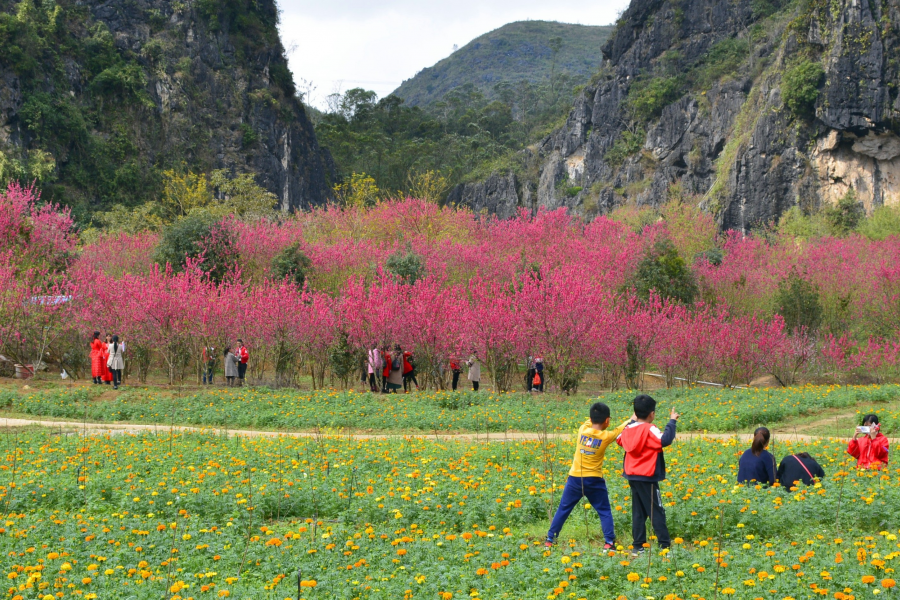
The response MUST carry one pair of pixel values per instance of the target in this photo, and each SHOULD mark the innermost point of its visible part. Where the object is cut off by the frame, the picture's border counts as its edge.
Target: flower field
(202, 516)
(715, 410)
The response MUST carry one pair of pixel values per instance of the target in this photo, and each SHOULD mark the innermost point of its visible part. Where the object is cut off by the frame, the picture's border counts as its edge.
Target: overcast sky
(376, 44)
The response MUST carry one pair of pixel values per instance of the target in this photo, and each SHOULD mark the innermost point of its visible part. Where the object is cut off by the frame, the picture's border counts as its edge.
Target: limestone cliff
(109, 93)
(746, 107)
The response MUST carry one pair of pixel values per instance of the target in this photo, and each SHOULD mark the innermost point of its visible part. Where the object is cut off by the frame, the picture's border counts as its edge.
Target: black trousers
(455, 379)
(117, 377)
(409, 379)
(242, 370)
(475, 386)
(373, 384)
(646, 503)
(529, 380)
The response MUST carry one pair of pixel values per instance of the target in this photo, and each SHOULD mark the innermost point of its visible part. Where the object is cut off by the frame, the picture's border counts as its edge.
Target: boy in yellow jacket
(586, 475)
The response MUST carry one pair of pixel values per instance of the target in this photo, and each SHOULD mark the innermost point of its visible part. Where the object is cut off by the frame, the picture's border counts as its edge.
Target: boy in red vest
(645, 467)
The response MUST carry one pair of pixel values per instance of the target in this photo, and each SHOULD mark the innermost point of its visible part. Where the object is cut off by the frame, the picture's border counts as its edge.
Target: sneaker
(548, 544)
(609, 546)
(637, 552)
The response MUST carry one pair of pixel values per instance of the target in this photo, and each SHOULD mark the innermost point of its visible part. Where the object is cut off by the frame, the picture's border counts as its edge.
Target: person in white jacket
(116, 360)
(474, 370)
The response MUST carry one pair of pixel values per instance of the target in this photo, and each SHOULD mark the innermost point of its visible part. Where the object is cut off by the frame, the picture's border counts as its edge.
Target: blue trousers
(592, 488)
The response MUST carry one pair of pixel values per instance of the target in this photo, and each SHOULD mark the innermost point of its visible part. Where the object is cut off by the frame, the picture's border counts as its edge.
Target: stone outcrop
(727, 139)
(209, 89)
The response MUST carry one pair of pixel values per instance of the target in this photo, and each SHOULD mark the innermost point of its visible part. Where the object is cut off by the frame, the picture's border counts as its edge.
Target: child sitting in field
(645, 467)
(586, 475)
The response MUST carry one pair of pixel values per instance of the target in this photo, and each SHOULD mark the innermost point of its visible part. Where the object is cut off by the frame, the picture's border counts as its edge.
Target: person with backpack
(538, 375)
(409, 372)
(395, 375)
(645, 468)
(796, 468)
(869, 446)
(374, 362)
(756, 464)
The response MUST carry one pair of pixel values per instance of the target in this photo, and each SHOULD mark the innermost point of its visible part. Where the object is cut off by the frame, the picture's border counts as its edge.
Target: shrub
(797, 301)
(573, 191)
(291, 263)
(628, 143)
(846, 215)
(800, 87)
(408, 267)
(884, 222)
(664, 272)
(194, 236)
(647, 98)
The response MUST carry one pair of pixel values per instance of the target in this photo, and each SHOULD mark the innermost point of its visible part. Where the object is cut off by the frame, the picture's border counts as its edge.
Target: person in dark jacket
(645, 467)
(539, 375)
(756, 464)
(799, 467)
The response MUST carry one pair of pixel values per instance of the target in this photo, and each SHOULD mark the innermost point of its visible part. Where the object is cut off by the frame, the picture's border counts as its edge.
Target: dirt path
(137, 428)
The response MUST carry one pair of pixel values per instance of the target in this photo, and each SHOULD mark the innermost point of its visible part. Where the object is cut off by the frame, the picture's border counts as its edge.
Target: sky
(338, 45)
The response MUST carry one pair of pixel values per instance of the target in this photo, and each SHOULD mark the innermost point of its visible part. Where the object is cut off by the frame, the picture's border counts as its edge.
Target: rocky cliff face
(745, 107)
(110, 93)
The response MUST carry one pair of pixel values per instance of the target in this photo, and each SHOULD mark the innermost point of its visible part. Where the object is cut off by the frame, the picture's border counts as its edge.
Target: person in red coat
(409, 372)
(386, 372)
(106, 377)
(97, 361)
(869, 446)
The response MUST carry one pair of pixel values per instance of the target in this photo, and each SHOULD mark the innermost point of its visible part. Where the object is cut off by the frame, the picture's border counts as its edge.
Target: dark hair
(803, 455)
(240, 340)
(397, 348)
(643, 406)
(227, 350)
(599, 412)
(870, 419)
(115, 344)
(96, 335)
(760, 440)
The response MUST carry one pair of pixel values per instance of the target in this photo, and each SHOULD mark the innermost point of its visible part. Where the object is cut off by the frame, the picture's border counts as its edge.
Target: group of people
(236, 361)
(868, 446)
(645, 467)
(389, 371)
(107, 360)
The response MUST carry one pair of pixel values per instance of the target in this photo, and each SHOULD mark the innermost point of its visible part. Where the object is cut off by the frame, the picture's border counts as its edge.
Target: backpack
(396, 364)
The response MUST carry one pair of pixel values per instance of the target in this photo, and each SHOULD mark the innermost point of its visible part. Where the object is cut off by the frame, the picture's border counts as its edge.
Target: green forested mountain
(464, 117)
(99, 97)
(533, 51)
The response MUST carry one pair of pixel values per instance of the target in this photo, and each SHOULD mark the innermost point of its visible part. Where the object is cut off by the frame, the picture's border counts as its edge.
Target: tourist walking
(243, 357)
(756, 464)
(208, 360)
(538, 375)
(395, 373)
(409, 372)
(374, 364)
(231, 367)
(474, 370)
(456, 370)
(529, 375)
(97, 364)
(116, 360)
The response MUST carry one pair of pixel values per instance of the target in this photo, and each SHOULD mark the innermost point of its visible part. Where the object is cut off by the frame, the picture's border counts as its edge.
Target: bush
(797, 301)
(291, 263)
(408, 267)
(664, 272)
(800, 87)
(573, 191)
(198, 234)
(647, 98)
(846, 215)
(884, 222)
(628, 143)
